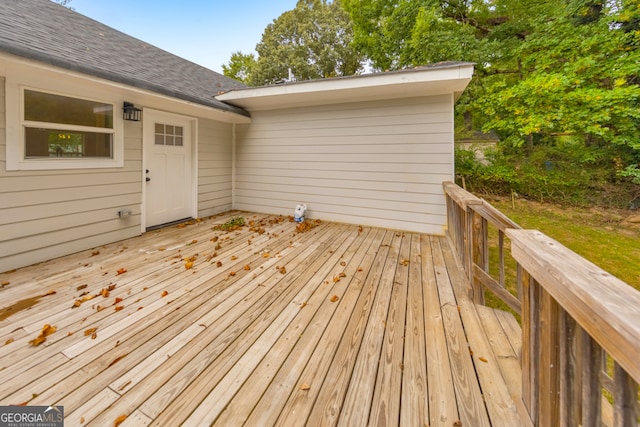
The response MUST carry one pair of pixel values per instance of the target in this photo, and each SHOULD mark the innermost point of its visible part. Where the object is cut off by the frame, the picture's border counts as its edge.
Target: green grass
(601, 237)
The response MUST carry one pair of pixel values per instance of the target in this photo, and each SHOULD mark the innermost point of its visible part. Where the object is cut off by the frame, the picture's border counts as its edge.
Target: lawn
(601, 236)
(604, 237)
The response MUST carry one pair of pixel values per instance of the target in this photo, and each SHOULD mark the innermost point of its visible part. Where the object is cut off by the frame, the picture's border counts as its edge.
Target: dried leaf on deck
(104, 292)
(219, 264)
(164, 294)
(81, 287)
(5, 283)
(233, 257)
(90, 331)
(119, 420)
(95, 253)
(188, 265)
(118, 307)
(283, 270)
(9, 341)
(46, 331)
(304, 386)
(482, 359)
(121, 271)
(404, 262)
(118, 300)
(247, 267)
(334, 298)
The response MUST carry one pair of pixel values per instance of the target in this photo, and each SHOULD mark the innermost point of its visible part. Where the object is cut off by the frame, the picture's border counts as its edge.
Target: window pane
(169, 140)
(159, 128)
(178, 130)
(67, 144)
(45, 107)
(169, 129)
(179, 140)
(159, 139)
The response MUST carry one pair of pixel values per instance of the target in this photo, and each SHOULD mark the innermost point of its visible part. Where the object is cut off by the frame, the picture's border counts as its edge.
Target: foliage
(233, 224)
(564, 172)
(240, 66)
(553, 78)
(313, 40)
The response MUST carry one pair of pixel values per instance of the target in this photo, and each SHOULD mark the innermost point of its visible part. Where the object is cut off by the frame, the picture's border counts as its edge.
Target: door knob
(147, 179)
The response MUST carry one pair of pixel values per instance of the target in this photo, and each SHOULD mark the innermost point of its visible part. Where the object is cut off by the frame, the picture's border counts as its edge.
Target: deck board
(339, 325)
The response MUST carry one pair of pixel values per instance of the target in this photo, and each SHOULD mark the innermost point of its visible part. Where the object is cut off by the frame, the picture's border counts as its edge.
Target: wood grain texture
(339, 325)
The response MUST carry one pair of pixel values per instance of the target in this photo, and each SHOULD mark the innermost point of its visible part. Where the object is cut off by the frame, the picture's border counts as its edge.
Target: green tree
(551, 73)
(314, 40)
(240, 66)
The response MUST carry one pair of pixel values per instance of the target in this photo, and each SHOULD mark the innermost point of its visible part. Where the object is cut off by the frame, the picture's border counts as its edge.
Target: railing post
(477, 250)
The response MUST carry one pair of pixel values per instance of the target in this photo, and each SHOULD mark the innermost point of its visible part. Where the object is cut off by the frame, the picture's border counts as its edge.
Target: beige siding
(215, 160)
(46, 214)
(378, 163)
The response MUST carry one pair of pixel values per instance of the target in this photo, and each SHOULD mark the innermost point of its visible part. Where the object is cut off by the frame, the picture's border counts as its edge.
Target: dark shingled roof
(47, 32)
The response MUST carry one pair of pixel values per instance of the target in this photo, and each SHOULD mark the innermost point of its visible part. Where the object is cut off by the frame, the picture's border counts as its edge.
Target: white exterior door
(168, 166)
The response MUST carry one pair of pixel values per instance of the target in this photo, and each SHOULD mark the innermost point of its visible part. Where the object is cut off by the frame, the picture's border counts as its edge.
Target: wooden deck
(339, 325)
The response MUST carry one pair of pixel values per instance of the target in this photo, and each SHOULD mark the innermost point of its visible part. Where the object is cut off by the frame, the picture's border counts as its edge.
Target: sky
(204, 32)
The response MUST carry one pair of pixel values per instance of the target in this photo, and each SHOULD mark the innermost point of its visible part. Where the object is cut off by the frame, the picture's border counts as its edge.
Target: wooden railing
(580, 353)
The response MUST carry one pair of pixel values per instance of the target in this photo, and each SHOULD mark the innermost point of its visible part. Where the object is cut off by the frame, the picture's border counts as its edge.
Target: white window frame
(16, 125)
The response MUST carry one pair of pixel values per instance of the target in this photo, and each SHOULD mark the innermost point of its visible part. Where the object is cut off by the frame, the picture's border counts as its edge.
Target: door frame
(149, 115)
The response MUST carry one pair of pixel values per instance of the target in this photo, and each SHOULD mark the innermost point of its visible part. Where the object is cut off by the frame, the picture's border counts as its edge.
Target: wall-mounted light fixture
(130, 112)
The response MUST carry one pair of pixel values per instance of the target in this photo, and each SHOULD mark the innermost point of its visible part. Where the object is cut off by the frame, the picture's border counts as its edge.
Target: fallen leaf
(404, 262)
(336, 279)
(482, 359)
(334, 298)
(100, 308)
(21, 404)
(81, 287)
(69, 333)
(9, 341)
(219, 264)
(218, 247)
(283, 270)
(90, 331)
(342, 275)
(118, 307)
(303, 305)
(111, 287)
(94, 253)
(94, 336)
(119, 420)
(81, 420)
(104, 292)
(343, 263)
(305, 386)
(232, 273)
(214, 239)
(266, 255)
(457, 423)
(46, 331)
(233, 257)
(247, 267)
(121, 271)
(118, 300)
(188, 265)
(164, 294)
(193, 242)
(5, 283)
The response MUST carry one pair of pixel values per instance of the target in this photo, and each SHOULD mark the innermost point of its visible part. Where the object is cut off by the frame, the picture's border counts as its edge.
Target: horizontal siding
(215, 158)
(46, 214)
(379, 163)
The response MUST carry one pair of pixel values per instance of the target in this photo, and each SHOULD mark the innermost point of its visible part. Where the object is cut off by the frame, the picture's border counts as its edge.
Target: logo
(31, 416)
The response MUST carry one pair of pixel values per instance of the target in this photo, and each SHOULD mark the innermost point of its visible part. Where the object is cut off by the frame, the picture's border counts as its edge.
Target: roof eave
(449, 78)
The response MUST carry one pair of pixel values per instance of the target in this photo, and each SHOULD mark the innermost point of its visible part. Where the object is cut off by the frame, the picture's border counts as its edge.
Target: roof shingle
(47, 32)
